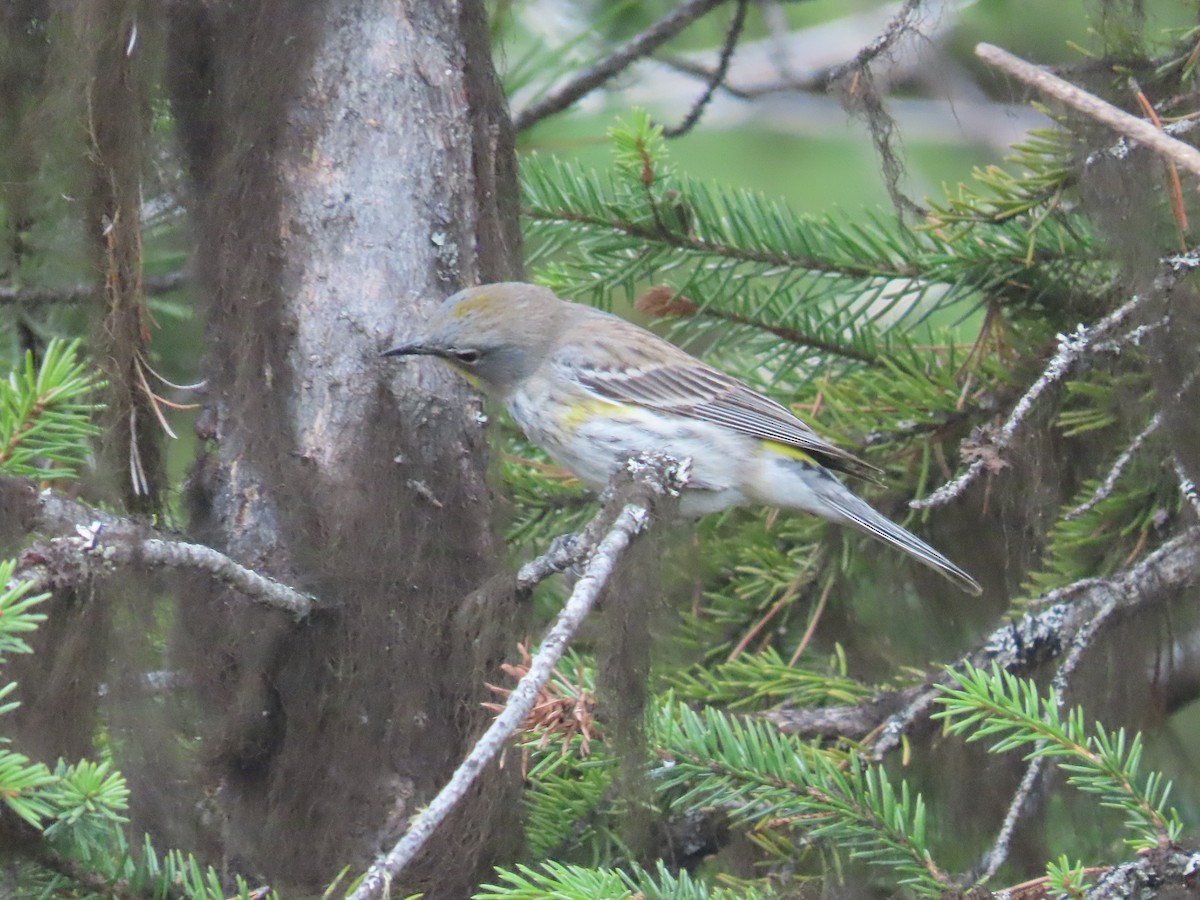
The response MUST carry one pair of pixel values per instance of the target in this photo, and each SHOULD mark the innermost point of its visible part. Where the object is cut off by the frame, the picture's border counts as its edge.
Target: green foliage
(758, 775)
(997, 705)
(45, 414)
(24, 785)
(574, 883)
(896, 340)
(710, 762)
(17, 616)
(45, 429)
(1066, 878)
(111, 868)
(758, 680)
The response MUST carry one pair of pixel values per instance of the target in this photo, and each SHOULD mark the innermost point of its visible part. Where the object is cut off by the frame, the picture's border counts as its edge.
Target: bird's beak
(413, 348)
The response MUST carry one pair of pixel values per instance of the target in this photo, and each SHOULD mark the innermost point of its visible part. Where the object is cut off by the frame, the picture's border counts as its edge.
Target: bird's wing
(682, 385)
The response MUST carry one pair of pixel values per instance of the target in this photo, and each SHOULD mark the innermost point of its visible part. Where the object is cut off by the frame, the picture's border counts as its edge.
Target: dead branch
(1092, 106)
(636, 495)
(1058, 621)
(592, 77)
(80, 293)
(97, 544)
(1071, 348)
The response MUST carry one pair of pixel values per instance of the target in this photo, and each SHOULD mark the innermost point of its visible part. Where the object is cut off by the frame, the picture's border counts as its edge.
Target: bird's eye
(466, 357)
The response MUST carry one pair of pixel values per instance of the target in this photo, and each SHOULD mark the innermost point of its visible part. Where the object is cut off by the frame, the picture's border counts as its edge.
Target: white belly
(594, 442)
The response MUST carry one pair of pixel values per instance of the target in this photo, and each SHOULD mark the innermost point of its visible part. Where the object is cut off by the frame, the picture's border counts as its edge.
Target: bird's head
(496, 334)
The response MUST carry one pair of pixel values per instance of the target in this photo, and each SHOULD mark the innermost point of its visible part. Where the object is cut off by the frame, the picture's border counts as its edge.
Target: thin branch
(100, 541)
(1057, 620)
(587, 80)
(899, 25)
(688, 242)
(1092, 106)
(74, 560)
(883, 42)
(718, 75)
(1103, 492)
(79, 293)
(1065, 614)
(1071, 348)
(647, 480)
(565, 551)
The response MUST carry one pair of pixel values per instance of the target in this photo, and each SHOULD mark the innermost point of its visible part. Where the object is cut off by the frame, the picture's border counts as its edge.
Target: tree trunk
(353, 165)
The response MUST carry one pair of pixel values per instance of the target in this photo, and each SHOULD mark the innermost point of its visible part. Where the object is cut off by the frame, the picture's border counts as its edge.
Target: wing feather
(682, 385)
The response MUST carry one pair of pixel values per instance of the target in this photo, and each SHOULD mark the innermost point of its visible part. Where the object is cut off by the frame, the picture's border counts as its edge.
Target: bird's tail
(858, 512)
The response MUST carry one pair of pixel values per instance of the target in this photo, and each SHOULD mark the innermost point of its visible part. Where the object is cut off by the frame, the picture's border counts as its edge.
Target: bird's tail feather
(861, 515)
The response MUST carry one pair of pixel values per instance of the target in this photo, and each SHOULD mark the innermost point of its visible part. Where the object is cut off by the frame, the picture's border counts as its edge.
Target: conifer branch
(1021, 801)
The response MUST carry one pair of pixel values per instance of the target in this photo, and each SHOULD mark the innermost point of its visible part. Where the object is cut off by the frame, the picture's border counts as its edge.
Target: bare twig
(100, 541)
(78, 293)
(650, 478)
(73, 560)
(1063, 618)
(718, 74)
(1118, 468)
(1092, 106)
(792, 55)
(603, 70)
(883, 42)
(1070, 349)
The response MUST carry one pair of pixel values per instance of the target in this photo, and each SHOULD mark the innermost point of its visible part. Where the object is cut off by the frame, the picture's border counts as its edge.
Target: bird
(592, 390)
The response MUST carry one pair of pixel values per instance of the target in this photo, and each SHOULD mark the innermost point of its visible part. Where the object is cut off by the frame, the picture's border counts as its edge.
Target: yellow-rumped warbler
(592, 389)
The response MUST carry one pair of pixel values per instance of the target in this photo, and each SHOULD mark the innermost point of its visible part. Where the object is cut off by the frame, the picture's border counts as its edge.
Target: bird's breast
(592, 437)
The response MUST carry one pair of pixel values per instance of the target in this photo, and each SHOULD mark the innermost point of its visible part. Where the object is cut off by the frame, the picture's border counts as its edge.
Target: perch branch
(650, 477)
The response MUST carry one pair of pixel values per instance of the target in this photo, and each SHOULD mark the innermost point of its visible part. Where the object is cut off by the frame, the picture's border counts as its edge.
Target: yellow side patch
(581, 412)
(464, 308)
(789, 451)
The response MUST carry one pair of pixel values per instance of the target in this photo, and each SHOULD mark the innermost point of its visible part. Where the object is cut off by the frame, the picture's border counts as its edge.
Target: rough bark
(353, 166)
